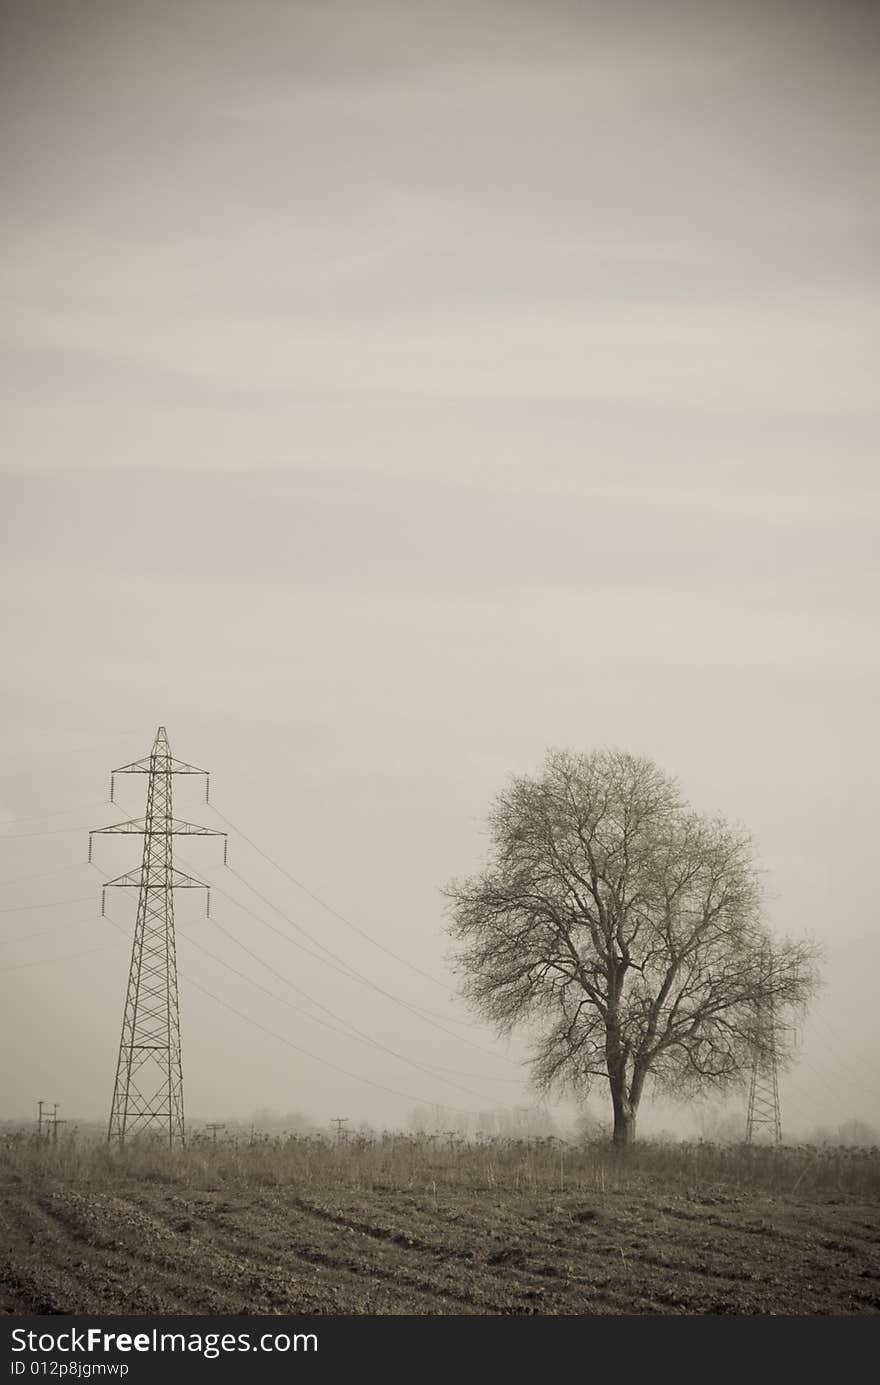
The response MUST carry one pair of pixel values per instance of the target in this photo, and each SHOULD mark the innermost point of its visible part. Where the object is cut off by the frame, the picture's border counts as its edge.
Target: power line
(831, 1088)
(800, 1083)
(428, 1068)
(47, 904)
(353, 1030)
(46, 961)
(350, 972)
(325, 1062)
(362, 932)
(58, 813)
(41, 874)
(335, 963)
(50, 832)
(837, 1115)
(361, 1036)
(334, 1028)
(798, 1110)
(150, 1031)
(849, 1075)
(457, 1072)
(845, 1063)
(42, 932)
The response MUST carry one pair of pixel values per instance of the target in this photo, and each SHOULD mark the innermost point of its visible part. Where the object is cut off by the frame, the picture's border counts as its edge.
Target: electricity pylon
(763, 1112)
(148, 1092)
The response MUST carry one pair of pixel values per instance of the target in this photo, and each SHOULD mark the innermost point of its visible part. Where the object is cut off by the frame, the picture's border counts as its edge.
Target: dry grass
(424, 1163)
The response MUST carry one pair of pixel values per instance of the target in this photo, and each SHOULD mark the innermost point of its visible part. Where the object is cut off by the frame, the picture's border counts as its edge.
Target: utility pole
(148, 1091)
(340, 1122)
(213, 1126)
(763, 1112)
(53, 1122)
(40, 1105)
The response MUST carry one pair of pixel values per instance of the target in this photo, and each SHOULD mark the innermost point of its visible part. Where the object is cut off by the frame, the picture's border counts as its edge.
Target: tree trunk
(625, 1103)
(624, 1100)
(624, 1126)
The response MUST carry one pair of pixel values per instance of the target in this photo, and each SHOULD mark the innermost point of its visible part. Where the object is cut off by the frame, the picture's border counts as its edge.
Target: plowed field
(153, 1249)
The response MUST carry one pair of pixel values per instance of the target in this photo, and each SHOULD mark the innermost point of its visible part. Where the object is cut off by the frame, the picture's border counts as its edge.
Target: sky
(390, 392)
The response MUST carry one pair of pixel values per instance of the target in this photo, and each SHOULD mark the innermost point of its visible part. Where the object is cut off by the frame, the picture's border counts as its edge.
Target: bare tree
(627, 929)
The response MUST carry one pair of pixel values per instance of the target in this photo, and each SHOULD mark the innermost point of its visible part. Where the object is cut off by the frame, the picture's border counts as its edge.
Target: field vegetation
(422, 1224)
(423, 1162)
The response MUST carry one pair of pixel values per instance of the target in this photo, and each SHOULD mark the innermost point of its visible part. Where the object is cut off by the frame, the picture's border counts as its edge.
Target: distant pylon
(148, 1091)
(763, 1112)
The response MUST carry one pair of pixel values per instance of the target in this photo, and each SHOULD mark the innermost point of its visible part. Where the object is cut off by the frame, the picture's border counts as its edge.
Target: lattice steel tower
(148, 1092)
(763, 1112)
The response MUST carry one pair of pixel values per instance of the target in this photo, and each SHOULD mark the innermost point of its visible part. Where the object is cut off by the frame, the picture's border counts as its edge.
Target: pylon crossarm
(173, 828)
(132, 880)
(192, 829)
(168, 766)
(130, 825)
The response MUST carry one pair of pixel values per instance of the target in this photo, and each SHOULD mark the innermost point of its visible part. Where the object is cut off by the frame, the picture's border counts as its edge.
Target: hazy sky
(390, 392)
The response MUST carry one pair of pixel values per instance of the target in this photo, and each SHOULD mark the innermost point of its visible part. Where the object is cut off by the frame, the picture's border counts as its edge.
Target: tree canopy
(627, 929)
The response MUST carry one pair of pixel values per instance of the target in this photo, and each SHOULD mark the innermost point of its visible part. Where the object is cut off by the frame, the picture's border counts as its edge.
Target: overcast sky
(390, 392)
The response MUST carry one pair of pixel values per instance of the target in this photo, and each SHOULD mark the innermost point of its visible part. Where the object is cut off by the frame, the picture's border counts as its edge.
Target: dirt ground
(154, 1249)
